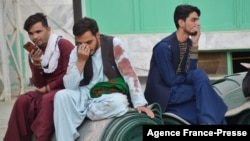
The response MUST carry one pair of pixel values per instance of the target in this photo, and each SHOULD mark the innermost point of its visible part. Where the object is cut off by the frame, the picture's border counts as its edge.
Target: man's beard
(96, 47)
(190, 33)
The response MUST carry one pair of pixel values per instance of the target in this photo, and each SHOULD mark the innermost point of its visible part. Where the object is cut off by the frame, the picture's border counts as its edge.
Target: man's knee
(200, 74)
(21, 100)
(119, 99)
(61, 96)
(109, 105)
(112, 101)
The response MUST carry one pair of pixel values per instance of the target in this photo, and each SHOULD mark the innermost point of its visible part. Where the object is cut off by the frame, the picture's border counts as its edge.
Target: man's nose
(198, 22)
(35, 36)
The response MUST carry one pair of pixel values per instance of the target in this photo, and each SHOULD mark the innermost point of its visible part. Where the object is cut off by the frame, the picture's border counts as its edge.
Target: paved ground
(5, 110)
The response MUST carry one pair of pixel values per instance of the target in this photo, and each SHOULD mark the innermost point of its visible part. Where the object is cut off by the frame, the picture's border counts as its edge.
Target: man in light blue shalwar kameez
(73, 104)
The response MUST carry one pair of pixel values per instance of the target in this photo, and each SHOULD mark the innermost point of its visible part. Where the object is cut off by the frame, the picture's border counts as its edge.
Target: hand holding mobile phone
(29, 46)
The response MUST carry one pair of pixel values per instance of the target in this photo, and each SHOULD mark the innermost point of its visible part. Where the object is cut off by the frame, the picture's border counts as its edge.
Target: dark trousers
(196, 101)
(32, 114)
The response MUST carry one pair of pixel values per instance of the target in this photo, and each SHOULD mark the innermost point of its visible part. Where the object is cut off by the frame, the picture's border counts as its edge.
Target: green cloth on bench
(114, 85)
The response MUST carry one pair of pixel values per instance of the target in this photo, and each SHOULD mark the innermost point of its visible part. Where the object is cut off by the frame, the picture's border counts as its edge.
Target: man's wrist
(47, 88)
(36, 64)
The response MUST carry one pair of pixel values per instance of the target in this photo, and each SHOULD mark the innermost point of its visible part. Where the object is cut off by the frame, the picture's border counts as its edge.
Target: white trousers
(71, 107)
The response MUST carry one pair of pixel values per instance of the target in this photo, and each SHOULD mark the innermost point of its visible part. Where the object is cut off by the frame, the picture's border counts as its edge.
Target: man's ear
(181, 23)
(49, 28)
(98, 35)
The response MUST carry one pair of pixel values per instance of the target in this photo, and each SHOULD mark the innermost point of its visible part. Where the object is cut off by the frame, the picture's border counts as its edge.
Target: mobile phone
(29, 46)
